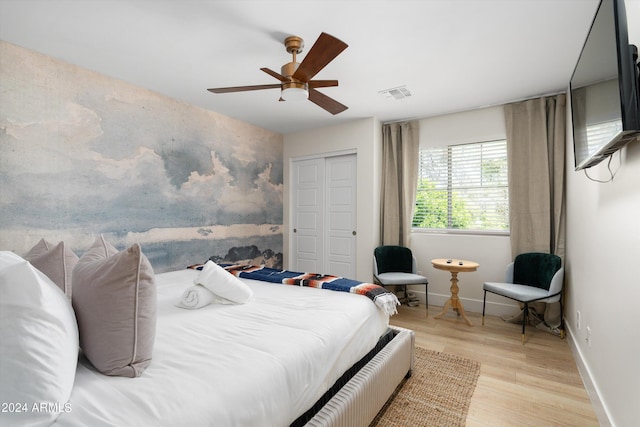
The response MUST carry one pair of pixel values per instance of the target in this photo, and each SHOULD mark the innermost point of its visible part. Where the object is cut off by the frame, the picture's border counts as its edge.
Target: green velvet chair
(531, 277)
(396, 266)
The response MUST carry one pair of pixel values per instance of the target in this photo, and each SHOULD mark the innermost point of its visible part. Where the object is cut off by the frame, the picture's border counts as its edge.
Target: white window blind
(598, 134)
(463, 187)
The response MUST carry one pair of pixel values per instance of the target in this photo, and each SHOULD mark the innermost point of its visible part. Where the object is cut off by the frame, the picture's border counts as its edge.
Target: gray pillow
(114, 297)
(55, 261)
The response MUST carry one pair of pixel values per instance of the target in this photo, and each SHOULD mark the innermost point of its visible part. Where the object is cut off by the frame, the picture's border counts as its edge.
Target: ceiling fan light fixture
(293, 90)
(295, 94)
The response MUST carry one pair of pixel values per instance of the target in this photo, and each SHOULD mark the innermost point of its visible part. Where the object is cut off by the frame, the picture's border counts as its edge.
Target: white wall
(360, 136)
(603, 250)
(492, 252)
(603, 283)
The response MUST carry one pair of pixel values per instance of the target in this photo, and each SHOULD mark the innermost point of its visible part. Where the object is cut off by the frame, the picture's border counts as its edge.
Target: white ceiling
(452, 55)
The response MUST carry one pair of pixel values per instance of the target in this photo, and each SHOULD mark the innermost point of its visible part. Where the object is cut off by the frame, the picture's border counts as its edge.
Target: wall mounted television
(605, 88)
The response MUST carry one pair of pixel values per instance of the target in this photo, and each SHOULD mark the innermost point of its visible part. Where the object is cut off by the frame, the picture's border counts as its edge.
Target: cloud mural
(82, 154)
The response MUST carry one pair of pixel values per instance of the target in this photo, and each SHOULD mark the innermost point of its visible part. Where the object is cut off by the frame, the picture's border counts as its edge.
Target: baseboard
(589, 385)
(470, 305)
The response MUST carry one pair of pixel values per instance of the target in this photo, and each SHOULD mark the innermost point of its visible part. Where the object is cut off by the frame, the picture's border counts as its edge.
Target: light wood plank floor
(536, 384)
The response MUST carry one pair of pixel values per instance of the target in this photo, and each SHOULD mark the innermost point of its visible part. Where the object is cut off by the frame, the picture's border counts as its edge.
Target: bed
(291, 355)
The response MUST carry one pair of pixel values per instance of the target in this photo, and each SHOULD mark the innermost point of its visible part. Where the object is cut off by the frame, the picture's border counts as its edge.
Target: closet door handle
(295, 230)
(354, 232)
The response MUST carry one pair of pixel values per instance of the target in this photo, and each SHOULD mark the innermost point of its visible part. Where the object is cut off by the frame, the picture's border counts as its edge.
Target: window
(463, 187)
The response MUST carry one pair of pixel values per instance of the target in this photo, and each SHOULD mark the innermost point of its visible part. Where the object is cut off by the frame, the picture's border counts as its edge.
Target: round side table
(454, 266)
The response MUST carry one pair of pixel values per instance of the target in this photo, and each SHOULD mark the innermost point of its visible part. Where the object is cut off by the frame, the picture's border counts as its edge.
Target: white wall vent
(399, 92)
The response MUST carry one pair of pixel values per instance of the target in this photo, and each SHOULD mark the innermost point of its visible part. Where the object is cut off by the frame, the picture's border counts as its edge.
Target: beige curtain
(536, 154)
(400, 144)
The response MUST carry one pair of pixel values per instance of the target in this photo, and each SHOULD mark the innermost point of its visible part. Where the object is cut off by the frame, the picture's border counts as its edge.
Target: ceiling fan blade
(276, 75)
(323, 51)
(243, 88)
(323, 83)
(323, 101)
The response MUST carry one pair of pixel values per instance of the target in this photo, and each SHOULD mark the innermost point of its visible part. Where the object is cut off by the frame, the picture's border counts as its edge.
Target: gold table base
(454, 266)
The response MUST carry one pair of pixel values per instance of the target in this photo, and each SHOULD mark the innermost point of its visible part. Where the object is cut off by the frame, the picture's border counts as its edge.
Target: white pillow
(223, 284)
(38, 344)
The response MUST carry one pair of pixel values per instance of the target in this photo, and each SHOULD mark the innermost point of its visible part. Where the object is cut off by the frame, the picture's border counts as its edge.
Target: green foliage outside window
(432, 209)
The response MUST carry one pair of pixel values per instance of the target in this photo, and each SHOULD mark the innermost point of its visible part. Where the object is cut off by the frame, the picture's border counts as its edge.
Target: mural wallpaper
(83, 154)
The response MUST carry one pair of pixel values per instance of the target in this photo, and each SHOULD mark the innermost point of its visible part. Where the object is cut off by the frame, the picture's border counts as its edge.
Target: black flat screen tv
(604, 88)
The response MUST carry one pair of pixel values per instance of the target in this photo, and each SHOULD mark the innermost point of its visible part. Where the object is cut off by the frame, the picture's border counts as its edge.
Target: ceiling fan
(295, 78)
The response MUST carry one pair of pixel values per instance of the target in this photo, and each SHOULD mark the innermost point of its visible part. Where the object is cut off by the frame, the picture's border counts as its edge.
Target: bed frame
(360, 400)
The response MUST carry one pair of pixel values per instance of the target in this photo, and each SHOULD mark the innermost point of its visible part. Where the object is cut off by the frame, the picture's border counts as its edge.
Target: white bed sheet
(260, 364)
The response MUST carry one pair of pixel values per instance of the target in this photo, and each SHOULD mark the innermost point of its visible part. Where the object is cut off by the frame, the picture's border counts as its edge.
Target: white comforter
(260, 364)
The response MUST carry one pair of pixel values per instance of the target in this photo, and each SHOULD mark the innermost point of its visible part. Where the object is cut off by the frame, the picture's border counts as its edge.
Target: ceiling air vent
(399, 92)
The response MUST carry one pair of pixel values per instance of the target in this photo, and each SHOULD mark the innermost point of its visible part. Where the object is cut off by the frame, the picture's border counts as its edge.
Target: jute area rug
(438, 393)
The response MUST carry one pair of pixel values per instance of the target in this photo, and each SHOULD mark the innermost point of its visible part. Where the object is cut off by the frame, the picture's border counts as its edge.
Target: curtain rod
(475, 108)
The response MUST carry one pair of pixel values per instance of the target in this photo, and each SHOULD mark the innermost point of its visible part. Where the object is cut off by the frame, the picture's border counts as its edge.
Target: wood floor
(536, 384)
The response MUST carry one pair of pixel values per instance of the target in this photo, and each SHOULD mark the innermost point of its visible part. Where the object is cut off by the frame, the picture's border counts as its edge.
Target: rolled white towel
(223, 284)
(195, 297)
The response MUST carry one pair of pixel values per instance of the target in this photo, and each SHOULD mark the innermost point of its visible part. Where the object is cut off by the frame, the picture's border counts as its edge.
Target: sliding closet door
(324, 215)
(308, 215)
(341, 215)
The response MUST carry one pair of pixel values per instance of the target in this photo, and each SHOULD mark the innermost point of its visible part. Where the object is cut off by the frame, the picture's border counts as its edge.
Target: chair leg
(484, 302)
(426, 297)
(525, 319)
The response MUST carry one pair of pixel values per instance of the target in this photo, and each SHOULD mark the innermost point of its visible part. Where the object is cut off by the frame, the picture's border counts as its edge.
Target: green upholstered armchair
(396, 266)
(531, 277)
